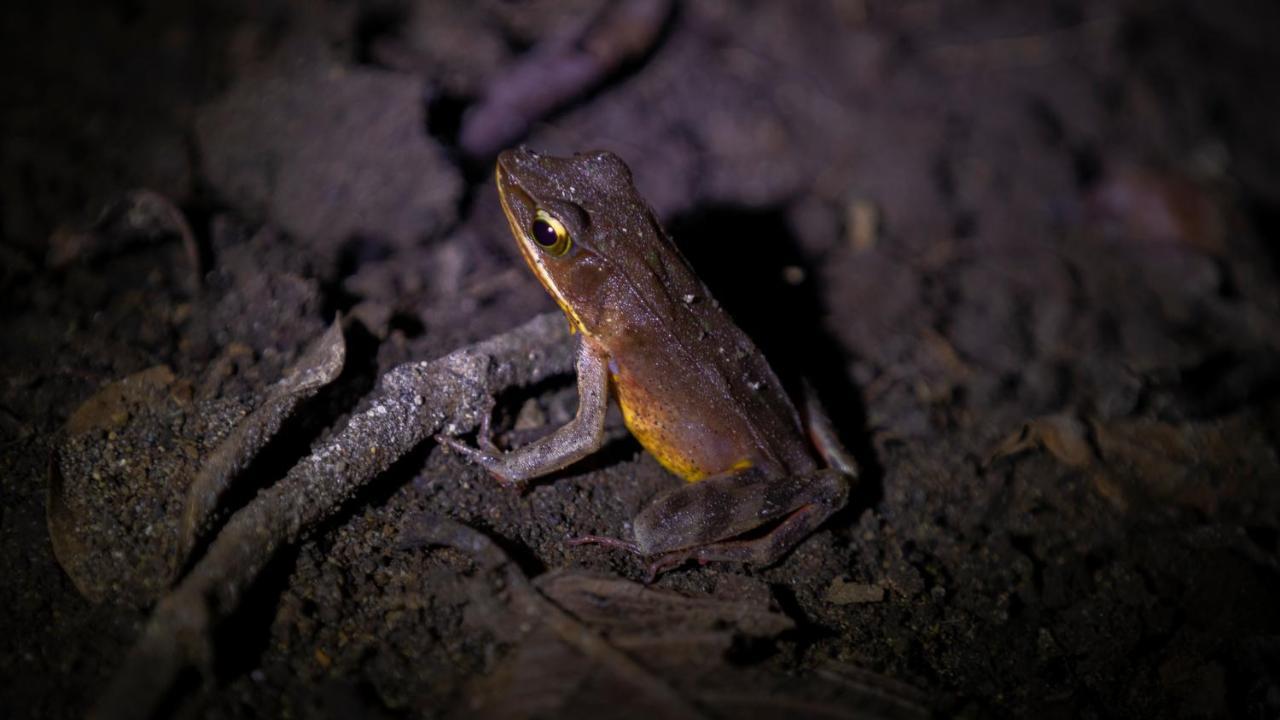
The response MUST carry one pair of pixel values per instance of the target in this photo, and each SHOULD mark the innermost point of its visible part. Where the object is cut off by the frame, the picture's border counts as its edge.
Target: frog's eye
(549, 233)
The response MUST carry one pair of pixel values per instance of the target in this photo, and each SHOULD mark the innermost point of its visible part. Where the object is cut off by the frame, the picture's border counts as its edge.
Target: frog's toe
(484, 436)
(665, 562)
(495, 463)
(606, 541)
(460, 447)
(662, 564)
(477, 456)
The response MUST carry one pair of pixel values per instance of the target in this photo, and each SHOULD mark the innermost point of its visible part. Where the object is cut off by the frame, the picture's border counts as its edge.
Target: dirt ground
(1024, 252)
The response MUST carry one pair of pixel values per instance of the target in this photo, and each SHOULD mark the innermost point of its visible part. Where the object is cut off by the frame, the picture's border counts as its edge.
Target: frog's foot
(669, 561)
(484, 436)
(664, 562)
(493, 462)
(719, 552)
(606, 541)
(488, 454)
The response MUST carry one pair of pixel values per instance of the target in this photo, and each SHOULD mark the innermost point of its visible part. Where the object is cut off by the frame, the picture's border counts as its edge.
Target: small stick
(559, 69)
(413, 402)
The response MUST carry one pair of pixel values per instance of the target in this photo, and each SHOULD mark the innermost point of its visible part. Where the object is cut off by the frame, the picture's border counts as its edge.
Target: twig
(412, 403)
(560, 69)
(317, 367)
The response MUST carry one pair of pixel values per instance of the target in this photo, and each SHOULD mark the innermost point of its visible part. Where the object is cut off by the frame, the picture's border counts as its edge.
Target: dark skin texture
(693, 389)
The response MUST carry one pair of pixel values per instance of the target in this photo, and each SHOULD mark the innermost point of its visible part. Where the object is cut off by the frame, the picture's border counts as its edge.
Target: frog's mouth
(520, 208)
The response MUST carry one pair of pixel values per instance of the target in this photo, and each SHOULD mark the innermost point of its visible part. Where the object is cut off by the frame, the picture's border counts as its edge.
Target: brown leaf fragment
(608, 601)
(318, 366)
(844, 592)
(1062, 435)
(533, 681)
(112, 406)
(1150, 207)
(68, 546)
(661, 627)
(862, 224)
(1196, 465)
(1193, 465)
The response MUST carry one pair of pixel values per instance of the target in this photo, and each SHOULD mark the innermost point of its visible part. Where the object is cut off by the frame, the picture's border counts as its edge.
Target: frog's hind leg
(716, 519)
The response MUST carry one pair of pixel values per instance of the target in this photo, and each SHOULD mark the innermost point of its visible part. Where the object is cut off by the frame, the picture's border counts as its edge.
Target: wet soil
(1024, 251)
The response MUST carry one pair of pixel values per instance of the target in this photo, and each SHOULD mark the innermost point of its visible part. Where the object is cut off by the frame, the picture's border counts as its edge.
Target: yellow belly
(690, 449)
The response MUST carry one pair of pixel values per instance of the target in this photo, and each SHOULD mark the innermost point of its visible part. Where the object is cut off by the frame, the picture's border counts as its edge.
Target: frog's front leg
(705, 521)
(579, 438)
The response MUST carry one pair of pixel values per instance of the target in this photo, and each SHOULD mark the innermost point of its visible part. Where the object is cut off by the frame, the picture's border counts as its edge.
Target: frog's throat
(534, 259)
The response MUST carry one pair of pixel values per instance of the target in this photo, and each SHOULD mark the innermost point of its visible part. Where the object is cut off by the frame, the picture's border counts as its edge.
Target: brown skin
(693, 388)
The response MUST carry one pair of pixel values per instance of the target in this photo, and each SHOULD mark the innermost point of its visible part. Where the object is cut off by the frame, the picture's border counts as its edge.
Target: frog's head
(579, 222)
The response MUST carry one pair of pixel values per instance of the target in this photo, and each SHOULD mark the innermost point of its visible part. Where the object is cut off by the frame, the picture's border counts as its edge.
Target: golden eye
(549, 233)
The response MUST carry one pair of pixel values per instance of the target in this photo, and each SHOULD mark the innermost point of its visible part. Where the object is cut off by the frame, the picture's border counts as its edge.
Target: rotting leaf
(660, 624)
(534, 680)
(117, 487)
(116, 482)
(1153, 461)
(113, 404)
(661, 628)
(648, 693)
(597, 638)
(318, 366)
(1174, 463)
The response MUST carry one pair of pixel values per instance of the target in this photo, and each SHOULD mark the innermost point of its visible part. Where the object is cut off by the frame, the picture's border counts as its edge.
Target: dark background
(1024, 250)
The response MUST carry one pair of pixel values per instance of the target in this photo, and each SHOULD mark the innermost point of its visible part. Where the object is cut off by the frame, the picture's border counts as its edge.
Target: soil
(1023, 251)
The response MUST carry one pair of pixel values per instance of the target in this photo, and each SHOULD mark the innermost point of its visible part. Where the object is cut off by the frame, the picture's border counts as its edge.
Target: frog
(694, 390)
